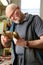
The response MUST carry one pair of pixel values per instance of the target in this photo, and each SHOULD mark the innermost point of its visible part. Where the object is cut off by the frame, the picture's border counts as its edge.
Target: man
(24, 49)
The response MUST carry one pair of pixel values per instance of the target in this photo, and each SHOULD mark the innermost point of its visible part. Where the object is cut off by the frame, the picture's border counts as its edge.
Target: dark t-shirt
(34, 32)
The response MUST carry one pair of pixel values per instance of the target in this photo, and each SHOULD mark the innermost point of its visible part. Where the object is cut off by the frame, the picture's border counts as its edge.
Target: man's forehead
(8, 14)
(10, 8)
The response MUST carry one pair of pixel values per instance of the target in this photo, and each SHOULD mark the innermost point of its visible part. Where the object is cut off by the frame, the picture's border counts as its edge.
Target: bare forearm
(35, 44)
(32, 44)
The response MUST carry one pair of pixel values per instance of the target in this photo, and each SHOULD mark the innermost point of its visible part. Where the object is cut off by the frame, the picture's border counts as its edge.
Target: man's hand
(8, 34)
(20, 42)
(6, 42)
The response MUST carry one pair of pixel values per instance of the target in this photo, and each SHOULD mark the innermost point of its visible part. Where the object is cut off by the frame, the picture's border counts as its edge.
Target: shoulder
(37, 20)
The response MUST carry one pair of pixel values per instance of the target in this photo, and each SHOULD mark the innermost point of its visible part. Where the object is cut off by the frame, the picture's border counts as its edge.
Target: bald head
(14, 13)
(9, 9)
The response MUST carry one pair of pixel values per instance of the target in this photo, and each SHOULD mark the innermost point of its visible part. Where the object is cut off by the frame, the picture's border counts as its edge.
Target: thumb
(15, 40)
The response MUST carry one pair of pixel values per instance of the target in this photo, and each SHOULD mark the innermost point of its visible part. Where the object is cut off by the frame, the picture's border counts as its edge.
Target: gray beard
(17, 22)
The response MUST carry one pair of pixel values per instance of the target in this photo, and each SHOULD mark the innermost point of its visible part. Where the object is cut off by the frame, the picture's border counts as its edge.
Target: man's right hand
(6, 41)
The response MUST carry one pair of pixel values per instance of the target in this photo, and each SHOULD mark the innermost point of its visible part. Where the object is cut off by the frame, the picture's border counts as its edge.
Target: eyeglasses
(13, 12)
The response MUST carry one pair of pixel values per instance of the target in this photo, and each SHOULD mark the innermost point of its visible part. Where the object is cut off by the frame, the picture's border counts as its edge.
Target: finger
(15, 40)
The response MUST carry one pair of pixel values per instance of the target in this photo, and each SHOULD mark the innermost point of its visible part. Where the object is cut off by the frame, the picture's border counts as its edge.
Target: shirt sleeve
(38, 26)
